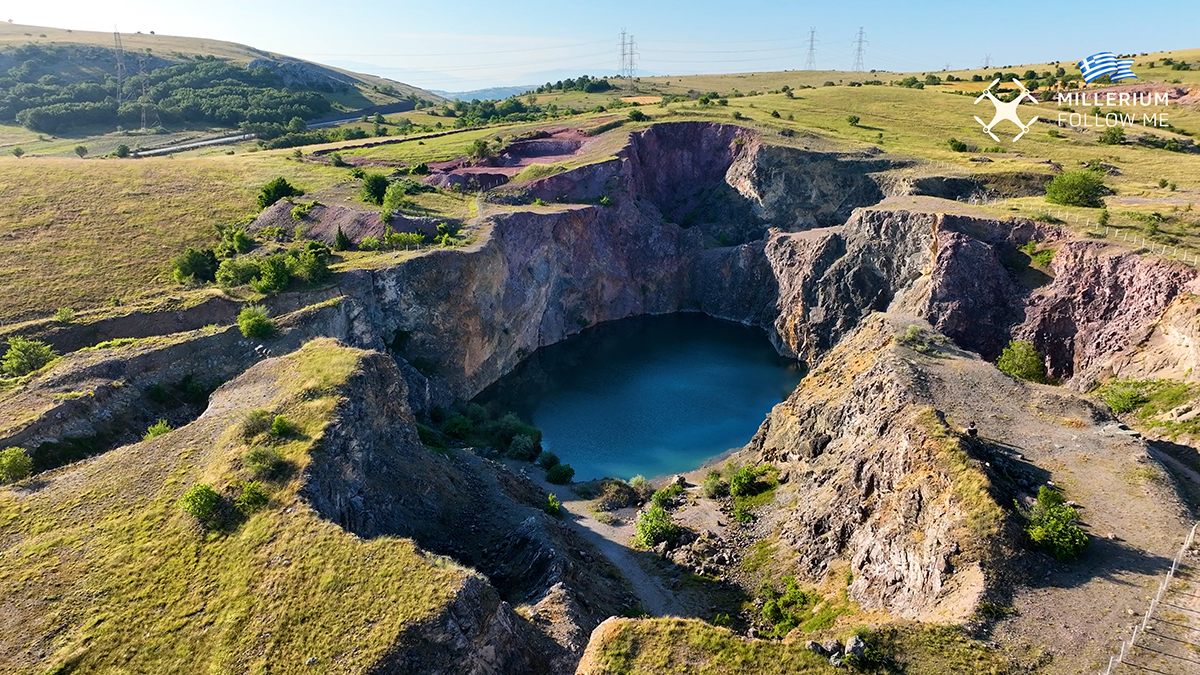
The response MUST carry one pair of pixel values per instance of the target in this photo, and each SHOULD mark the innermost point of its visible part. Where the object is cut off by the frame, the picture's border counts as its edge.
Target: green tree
(122, 151)
(637, 115)
(14, 465)
(254, 322)
(25, 356)
(1021, 359)
(1112, 136)
(296, 126)
(853, 120)
(273, 275)
(1082, 187)
(1052, 525)
(340, 241)
(560, 474)
(275, 190)
(194, 265)
(374, 188)
(18, 152)
(81, 150)
(480, 149)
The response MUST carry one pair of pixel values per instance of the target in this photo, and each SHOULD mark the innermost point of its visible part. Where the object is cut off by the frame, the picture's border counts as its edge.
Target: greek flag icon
(1124, 72)
(1100, 64)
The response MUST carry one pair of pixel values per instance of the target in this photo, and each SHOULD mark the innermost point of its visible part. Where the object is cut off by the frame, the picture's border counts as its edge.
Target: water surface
(648, 395)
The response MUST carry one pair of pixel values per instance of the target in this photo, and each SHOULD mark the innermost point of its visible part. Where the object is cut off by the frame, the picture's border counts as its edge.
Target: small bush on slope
(25, 356)
(1021, 359)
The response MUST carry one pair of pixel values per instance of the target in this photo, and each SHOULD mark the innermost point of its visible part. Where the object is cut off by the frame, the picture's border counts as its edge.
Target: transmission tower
(142, 79)
(858, 50)
(987, 61)
(810, 63)
(628, 66)
(621, 67)
(120, 63)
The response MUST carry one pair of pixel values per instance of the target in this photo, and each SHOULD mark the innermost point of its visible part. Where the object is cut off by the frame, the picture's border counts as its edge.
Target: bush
(309, 265)
(64, 315)
(1021, 359)
(273, 275)
(638, 116)
(236, 272)
(744, 482)
(560, 474)
(194, 265)
(616, 494)
(275, 190)
(14, 465)
(254, 322)
(369, 244)
(18, 152)
(1122, 398)
(255, 422)
(547, 459)
(81, 150)
(25, 356)
(252, 498)
(552, 505)
(374, 188)
(1052, 525)
(264, 462)
(655, 525)
(641, 486)
(523, 448)
(666, 496)
(159, 428)
(853, 120)
(459, 426)
(201, 502)
(956, 145)
(280, 427)
(713, 487)
(1076, 188)
(122, 151)
(1112, 136)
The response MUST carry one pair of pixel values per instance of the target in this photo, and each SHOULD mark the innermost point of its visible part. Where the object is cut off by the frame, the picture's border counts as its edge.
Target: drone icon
(1006, 110)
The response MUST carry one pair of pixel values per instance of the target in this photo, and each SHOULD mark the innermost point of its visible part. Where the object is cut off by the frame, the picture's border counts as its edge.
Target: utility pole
(120, 63)
(858, 50)
(810, 63)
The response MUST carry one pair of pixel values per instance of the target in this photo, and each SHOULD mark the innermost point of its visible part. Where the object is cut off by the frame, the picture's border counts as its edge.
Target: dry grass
(110, 576)
(78, 233)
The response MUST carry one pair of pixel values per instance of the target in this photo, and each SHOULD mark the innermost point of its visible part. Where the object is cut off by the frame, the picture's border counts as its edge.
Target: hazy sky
(467, 44)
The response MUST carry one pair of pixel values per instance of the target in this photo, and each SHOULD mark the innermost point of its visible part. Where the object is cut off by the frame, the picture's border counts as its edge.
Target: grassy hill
(177, 48)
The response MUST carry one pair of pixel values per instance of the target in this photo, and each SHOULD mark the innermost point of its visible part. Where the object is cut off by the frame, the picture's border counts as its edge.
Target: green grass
(1143, 401)
(111, 576)
(970, 486)
(670, 646)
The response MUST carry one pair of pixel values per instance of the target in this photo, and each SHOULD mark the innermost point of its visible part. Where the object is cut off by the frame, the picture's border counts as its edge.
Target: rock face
(1099, 303)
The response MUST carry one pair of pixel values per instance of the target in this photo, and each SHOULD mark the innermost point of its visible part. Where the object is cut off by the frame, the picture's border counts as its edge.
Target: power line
(628, 65)
(987, 61)
(811, 62)
(858, 50)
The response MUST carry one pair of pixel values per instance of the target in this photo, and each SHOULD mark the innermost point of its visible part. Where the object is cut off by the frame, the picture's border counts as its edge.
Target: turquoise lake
(649, 395)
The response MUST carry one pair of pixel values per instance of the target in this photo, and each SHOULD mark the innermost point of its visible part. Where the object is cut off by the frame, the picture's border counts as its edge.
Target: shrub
(560, 474)
(547, 459)
(300, 211)
(64, 315)
(1021, 359)
(552, 505)
(1112, 136)
(459, 426)
(255, 422)
(81, 150)
(275, 190)
(744, 482)
(853, 120)
(340, 241)
(194, 265)
(666, 496)
(616, 494)
(637, 115)
(25, 356)
(480, 149)
(264, 462)
(1051, 525)
(201, 502)
(374, 187)
(523, 448)
(713, 487)
(308, 265)
(159, 428)
(1076, 188)
(18, 152)
(956, 145)
(336, 160)
(655, 525)
(641, 486)
(236, 272)
(1122, 398)
(122, 151)
(280, 427)
(273, 275)
(369, 244)
(14, 465)
(252, 498)
(254, 322)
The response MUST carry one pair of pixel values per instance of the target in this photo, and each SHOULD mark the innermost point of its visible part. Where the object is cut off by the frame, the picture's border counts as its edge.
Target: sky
(465, 45)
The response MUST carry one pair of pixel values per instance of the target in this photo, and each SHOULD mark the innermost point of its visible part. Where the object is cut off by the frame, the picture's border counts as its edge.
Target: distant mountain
(492, 93)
